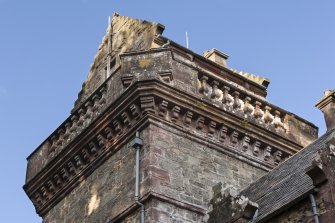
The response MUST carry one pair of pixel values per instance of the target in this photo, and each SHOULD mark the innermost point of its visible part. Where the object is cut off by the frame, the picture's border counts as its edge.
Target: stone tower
(199, 123)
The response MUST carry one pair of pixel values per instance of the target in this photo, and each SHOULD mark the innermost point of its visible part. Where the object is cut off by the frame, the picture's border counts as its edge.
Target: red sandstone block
(159, 173)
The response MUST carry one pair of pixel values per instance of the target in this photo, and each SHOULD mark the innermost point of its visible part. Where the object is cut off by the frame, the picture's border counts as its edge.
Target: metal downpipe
(138, 145)
(313, 203)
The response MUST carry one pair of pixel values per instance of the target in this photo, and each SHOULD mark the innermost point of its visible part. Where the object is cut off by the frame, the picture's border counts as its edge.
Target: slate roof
(285, 184)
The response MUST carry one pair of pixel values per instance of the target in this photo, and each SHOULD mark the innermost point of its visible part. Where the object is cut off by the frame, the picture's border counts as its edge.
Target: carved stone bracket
(248, 145)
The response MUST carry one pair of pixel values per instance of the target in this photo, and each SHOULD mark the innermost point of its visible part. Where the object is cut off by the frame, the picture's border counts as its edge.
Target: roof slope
(286, 183)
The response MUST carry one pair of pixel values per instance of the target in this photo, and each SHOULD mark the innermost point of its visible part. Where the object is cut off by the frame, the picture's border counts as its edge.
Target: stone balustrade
(83, 157)
(236, 100)
(76, 123)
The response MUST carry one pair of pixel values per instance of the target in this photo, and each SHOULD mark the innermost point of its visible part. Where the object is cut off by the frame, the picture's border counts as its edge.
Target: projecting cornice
(147, 102)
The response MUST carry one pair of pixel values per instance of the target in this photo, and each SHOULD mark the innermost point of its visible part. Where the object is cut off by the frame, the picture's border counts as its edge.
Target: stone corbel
(211, 128)
(200, 122)
(175, 113)
(188, 118)
(257, 145)
(147, 104)
(127, 79)
(163, 108)
(315, 172)
(245, 143)
(223, 133)
(166, 76)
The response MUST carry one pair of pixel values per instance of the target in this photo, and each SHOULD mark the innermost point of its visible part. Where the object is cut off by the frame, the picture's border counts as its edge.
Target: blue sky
(46, 48)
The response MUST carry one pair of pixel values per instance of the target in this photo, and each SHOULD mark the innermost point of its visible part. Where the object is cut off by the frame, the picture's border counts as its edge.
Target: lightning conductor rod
(109, 46)
(186, 40)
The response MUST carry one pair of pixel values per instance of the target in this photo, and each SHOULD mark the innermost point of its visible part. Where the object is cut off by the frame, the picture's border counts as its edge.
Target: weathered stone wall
(301, 212)
(159, 211)
(172, 166)
(186, 170)
(107, 192)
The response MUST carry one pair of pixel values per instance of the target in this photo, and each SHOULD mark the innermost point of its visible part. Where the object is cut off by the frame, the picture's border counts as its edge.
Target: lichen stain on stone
(244, 123)
(145, 63)
(94, 200)
(201, 104)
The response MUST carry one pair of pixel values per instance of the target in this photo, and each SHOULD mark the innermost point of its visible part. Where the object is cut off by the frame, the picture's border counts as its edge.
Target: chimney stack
(327, 106)
(217, 57)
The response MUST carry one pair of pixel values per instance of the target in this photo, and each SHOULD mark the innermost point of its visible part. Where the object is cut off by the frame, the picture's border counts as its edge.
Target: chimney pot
(327, 106)
(217, 57)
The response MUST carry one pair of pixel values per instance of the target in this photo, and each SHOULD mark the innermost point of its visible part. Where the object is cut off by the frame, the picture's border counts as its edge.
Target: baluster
(81, 119)
(103, 99)
(203, 85)
(257, 112)
(60, 140)
(247, 107)
(267, 116)
(74, 120)
(53, 144)
(226, 99)
(67, 131)
(95, 108)
(215, 93)
(277, 120)
(237, 103)
(88, 114)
